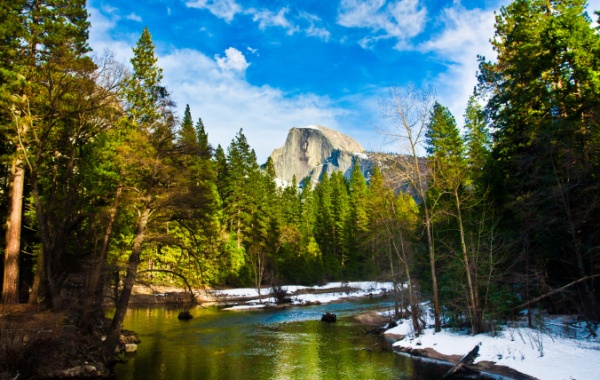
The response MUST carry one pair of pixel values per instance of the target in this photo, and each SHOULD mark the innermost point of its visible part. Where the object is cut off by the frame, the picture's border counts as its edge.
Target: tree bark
(112, 339)
(10, 288)
(475, 319)
(95, 287)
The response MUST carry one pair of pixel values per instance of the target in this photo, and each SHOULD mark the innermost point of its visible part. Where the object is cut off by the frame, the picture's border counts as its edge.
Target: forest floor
(38, 343)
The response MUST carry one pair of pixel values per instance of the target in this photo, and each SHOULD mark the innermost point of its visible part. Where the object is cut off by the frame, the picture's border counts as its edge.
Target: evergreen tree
(324, 226)
(357, 224)
(148, 166)
(51, 49)
(339, 213)
(544, 93)
(242, 168)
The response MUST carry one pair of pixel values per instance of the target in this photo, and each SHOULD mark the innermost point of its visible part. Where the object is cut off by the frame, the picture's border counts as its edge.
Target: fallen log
(466, 360)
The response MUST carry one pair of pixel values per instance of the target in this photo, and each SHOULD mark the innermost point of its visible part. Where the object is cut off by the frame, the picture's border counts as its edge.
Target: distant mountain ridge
(313, 150)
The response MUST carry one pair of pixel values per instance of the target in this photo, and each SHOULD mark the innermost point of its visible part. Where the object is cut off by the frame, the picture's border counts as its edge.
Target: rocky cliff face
(314, 150)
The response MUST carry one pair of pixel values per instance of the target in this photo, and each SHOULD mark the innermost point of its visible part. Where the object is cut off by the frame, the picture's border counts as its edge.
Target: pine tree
(148, 164)
(51, 49)
(544, 93)
(356, 228)
(324, 226)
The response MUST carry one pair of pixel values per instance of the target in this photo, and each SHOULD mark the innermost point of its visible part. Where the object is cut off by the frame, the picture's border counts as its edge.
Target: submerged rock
(185, 316)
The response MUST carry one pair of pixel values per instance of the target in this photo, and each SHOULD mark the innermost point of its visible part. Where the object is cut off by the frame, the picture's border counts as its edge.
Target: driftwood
(466, 360)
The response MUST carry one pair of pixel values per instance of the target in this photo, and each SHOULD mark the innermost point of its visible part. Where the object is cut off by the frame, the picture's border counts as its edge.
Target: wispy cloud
(290, 22)
(133, 17)
(225, 9)
(401, 19)
(266, 18)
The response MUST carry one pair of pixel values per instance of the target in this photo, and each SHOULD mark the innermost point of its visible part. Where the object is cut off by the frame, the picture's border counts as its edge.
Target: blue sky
(268, 66)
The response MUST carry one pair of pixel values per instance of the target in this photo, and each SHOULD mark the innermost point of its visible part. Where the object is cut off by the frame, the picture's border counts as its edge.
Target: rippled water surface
(288, 343)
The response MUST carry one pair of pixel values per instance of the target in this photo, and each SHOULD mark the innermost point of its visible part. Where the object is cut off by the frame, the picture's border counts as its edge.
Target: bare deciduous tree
(408, 112)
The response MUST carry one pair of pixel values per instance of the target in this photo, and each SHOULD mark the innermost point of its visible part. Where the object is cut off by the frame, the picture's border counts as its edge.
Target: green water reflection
(277, 344)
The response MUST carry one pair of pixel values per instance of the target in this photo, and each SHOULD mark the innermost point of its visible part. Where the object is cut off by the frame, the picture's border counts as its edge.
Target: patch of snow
(245, 307)
(544, 354)
(281, 183)
(311, 127)
(354, 289)
(361, 155)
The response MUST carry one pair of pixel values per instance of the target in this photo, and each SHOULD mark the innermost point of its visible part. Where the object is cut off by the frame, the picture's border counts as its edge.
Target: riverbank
(247, 298)
(559, 348)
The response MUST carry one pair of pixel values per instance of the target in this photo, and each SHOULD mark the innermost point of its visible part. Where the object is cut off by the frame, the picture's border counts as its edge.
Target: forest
(103, 185)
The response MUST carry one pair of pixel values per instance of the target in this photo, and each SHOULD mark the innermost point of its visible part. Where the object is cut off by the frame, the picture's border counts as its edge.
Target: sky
(268, 66)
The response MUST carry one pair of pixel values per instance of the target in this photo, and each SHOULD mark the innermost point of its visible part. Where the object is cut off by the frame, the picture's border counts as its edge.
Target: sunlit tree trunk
(10, 288)
(112, 338)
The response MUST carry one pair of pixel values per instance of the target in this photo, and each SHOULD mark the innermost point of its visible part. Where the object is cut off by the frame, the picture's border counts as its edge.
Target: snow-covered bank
(300, 295)
(562, 349)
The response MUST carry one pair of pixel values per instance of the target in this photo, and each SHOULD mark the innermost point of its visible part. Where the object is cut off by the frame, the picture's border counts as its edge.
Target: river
(288, 343)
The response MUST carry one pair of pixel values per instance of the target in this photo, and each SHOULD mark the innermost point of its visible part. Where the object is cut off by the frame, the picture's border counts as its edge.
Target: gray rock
(314, 150)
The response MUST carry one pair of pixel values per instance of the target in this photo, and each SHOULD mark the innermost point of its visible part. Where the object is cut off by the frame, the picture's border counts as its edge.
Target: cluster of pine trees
(105, 186)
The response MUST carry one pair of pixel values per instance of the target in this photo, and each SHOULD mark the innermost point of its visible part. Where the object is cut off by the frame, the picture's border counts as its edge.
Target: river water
(289, 343)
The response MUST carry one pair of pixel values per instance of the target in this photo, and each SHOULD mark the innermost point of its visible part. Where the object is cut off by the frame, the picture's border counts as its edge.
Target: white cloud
(225, 9)
(133, 17)
(313, 30)
(465, 35)
(217, 93)
(101, 24)
(227, 103)
(234, 60)
(266, 18)
(401, 19)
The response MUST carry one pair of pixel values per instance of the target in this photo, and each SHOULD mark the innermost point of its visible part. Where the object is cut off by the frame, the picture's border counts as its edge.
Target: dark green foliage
(544, 101)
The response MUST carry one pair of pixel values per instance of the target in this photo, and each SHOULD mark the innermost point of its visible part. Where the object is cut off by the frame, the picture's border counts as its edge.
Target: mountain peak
(313, 150)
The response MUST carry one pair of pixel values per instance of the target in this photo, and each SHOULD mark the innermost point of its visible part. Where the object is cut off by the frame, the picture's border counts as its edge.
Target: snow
(361, 155)
(557, 351)
(311, 127)
(351, 290)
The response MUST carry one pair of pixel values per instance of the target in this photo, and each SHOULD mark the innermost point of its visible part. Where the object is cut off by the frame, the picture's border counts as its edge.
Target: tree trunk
(112, 338)
(95, 287)
(436, 298)
(475, 319)
(394, 282)
(10, 288)
(430, 244)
